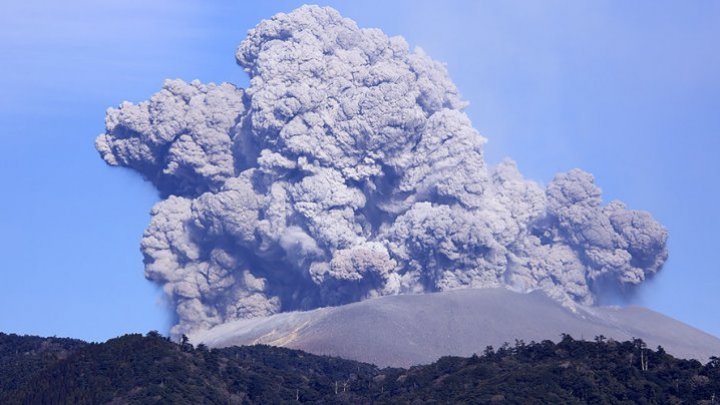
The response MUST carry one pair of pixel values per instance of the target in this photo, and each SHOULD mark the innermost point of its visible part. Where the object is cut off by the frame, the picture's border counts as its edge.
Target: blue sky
(627, 91)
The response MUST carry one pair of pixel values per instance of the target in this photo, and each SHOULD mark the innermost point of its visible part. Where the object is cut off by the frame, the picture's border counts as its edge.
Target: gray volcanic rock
(406, 330)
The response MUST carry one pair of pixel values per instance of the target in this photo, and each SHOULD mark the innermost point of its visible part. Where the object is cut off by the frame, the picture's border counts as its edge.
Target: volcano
(406, 330)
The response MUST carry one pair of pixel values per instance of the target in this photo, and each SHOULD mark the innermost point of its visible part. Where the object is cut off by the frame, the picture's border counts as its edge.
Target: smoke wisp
(347, 170)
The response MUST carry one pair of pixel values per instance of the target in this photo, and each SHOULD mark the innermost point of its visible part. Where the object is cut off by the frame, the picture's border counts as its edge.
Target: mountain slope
(151, 369)
(21, 357)
(406, 330)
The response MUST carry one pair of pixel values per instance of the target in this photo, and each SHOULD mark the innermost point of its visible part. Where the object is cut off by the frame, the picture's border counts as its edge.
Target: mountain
(406, 330)
(152, 369)
(136, 369)
(22, 357)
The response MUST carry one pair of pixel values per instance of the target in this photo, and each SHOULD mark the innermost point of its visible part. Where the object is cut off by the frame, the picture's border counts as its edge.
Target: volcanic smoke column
(348, 170)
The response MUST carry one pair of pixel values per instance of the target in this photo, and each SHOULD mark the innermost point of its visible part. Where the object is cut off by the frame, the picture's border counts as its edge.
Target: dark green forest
(152, 369)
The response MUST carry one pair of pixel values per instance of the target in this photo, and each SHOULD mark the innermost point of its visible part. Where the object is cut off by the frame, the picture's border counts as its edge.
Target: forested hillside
(151, 369)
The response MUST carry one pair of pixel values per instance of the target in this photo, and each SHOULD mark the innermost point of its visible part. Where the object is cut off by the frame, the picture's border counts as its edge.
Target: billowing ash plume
(347, 170)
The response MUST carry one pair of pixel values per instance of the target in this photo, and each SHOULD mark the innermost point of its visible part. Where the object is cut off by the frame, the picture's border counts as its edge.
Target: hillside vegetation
(152, 369)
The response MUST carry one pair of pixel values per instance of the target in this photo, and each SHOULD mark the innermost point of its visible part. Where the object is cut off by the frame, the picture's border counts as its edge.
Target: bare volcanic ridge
(406, 330)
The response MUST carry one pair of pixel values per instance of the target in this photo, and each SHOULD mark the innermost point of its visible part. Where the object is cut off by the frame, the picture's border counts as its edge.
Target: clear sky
(628, 91)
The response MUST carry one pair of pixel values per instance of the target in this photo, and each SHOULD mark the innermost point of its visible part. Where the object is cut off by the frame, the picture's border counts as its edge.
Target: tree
(185, 344)
(154, 334)
(642, 348)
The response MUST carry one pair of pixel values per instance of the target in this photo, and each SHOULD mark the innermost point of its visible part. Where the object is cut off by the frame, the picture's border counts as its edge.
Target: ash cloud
(348, 170)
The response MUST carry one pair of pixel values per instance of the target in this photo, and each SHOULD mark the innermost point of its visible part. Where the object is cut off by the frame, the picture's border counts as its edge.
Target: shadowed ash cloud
(347, 170)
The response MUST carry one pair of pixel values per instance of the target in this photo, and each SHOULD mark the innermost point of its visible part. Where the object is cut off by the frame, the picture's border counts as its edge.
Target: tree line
(152, 369)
